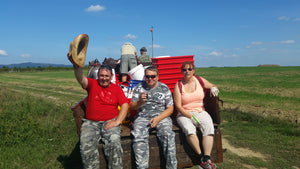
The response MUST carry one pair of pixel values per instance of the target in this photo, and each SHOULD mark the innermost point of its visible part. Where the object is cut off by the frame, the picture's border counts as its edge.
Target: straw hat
(78, 49)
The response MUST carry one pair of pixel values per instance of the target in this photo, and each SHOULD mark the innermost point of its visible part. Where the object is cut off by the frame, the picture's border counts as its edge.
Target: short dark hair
(107, 67)
(152, 68)
(143, 49)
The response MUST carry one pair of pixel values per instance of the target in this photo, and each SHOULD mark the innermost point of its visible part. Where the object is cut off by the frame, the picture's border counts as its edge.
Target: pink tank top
(193, 101)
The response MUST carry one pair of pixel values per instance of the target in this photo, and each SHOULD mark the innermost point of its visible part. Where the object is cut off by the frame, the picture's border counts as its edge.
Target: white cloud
(288, 41)
(95, 8)
(296, 19)
(129, 36)
(25, 55)
(154, 46)
(283, 18)
(257, 43)
(215, 53)
(288, 18)
(157, 46)
(254, 43)
(3, 52)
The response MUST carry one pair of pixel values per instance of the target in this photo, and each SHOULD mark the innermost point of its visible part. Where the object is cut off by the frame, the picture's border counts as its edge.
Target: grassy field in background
(260, 117)
(268, 91)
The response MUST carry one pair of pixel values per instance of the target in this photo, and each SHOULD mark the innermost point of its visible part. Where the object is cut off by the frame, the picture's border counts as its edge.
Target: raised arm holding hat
(102, 119)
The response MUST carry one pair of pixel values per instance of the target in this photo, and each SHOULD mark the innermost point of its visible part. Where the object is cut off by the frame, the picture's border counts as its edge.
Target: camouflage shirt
(145, 58)
(159, 98)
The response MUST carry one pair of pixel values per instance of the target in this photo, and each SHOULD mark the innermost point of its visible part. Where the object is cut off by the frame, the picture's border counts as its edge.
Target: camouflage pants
(165, 136)
(91, 133)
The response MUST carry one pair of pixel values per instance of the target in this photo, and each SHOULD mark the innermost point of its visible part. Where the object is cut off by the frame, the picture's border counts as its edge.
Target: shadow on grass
(73, 161)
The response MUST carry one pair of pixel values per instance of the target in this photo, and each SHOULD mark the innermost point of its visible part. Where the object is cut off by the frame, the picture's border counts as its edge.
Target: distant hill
(268, 65)
(34, 65)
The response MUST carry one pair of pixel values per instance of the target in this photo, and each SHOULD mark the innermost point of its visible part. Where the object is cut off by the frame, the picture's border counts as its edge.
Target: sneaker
(199, 167)
(208, 165)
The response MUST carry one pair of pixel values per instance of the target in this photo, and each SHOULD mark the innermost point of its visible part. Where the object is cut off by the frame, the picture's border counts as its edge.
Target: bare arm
(138, 104)
(122, 113)
(207, 84)
(119, 119)
(178, 104)
(214, 91)
(82, 80)
(154, 121)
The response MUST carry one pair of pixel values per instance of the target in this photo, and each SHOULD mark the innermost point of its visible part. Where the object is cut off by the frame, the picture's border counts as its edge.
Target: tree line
(33, 69)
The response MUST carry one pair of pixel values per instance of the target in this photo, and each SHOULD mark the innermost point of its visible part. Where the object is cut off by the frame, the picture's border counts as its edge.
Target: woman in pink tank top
(188, 98)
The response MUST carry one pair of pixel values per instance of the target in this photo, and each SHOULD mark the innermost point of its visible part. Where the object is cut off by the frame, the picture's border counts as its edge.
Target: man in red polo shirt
(103, 119)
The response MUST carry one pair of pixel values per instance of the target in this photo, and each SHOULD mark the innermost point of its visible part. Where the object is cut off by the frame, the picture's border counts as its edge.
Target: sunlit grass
(34, 131)
(38, 129)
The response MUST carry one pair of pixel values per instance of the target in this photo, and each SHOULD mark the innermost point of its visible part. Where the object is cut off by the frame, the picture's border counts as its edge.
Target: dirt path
(243, 152)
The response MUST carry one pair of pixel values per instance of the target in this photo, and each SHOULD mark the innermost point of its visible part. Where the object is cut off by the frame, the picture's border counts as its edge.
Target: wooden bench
(184, 153)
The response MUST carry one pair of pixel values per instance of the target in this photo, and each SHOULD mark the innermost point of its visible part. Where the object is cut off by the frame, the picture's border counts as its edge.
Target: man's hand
(72, 61)
(153, 122)
(138, 104)
(111, 124)
(143, 97)
(70, 58)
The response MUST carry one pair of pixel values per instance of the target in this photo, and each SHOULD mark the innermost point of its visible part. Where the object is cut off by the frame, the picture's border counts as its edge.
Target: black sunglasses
(190, 69)
(150, 76)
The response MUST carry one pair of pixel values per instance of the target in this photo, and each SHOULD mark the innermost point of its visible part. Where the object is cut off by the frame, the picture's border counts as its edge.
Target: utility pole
(151, 30)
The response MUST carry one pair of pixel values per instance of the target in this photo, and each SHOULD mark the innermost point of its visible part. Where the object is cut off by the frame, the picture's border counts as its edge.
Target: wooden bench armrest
(211, 105)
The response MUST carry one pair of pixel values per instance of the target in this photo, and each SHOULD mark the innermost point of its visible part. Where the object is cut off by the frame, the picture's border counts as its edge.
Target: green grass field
(260, 117)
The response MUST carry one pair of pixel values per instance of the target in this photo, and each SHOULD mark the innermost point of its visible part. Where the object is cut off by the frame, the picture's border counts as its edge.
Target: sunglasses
(150, 76)
(189, 69)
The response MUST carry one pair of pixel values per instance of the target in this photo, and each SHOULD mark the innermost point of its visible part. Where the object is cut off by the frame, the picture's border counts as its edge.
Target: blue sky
(218, 33)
